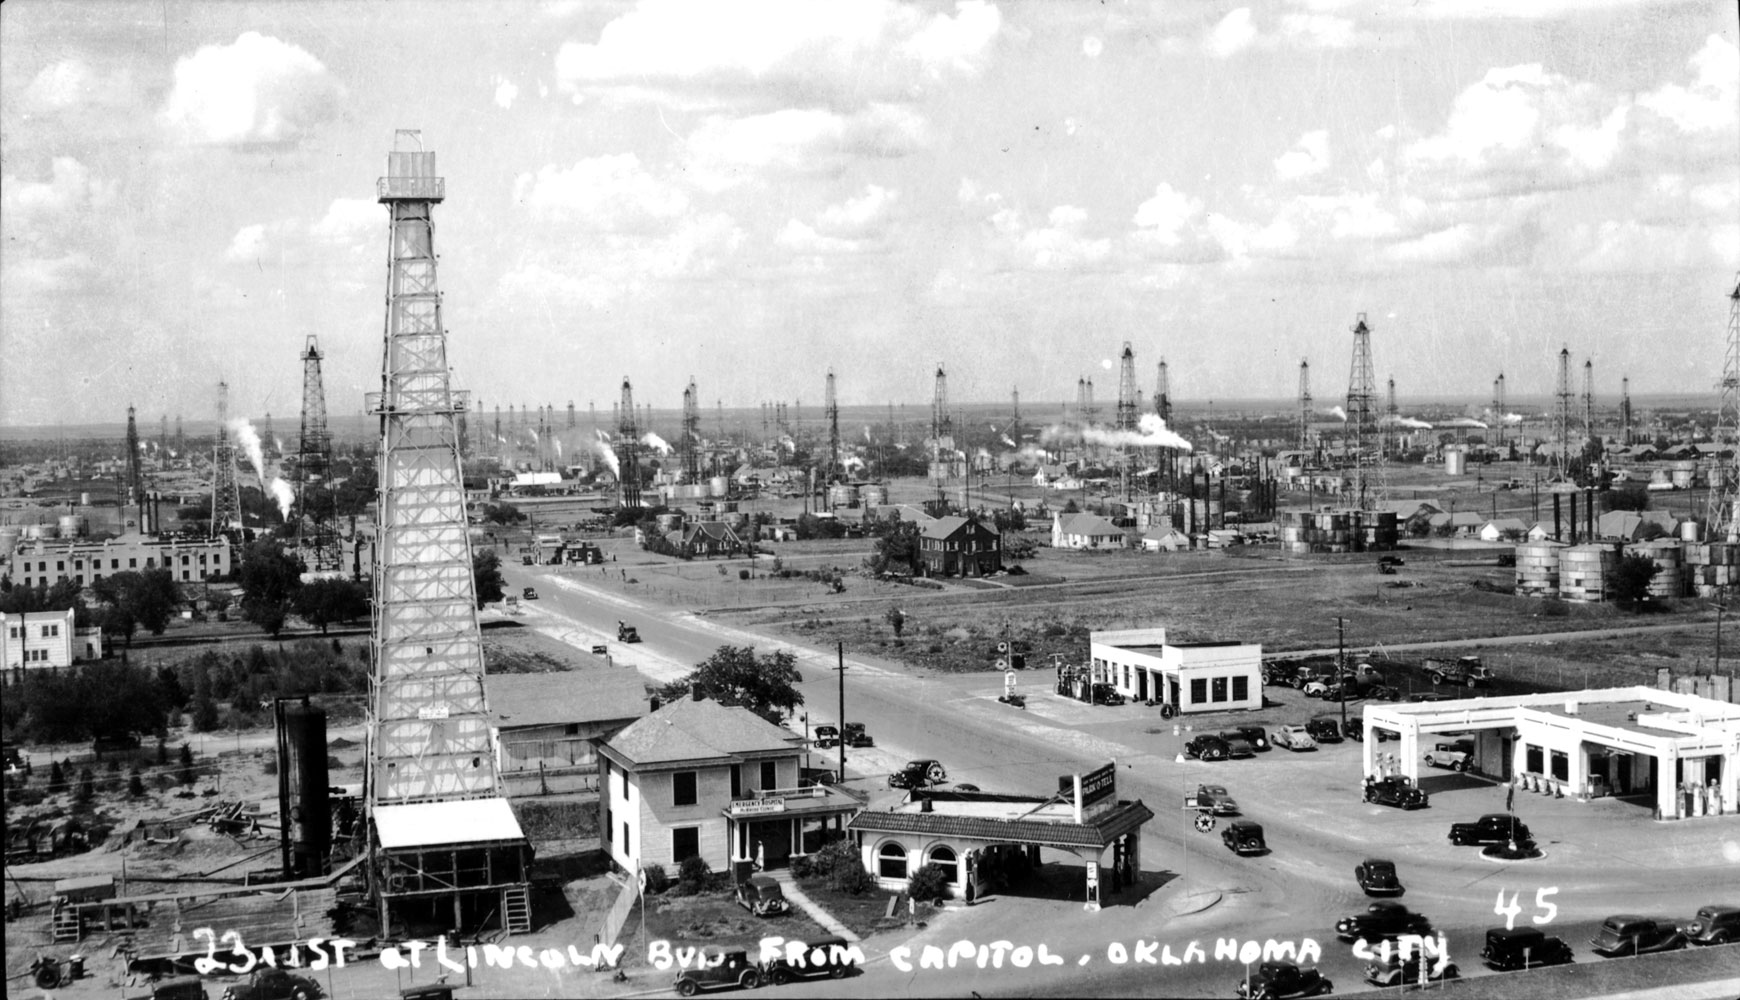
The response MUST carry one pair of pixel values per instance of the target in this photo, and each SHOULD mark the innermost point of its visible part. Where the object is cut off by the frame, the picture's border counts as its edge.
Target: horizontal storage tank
(1710, 568)
(1583, 571)
(843, 496)
(35, 532)
(1669, 580)
(9, 538)
(1537, 569)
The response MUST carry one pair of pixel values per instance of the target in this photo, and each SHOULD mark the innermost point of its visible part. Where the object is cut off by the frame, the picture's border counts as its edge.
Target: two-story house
(955, 546)
(700, 779)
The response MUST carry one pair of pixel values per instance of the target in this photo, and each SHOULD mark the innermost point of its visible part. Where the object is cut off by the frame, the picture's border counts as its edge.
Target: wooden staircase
(517, 908)
(67, 926)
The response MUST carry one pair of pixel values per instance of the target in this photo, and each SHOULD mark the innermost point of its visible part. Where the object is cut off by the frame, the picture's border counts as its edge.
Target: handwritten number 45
(1509, 913)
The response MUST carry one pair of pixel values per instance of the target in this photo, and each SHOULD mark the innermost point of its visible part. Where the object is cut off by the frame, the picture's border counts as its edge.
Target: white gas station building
(1680, 750)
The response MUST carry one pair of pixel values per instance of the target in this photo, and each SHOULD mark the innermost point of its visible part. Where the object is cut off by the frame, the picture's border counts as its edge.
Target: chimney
(696, 694)
(924, 804)
(655, 703)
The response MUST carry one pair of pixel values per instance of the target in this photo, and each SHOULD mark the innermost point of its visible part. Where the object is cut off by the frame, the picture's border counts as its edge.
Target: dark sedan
(1208, 747)
(1242, 836)
(1382, 920)
(1377, 877)
(1627, 934)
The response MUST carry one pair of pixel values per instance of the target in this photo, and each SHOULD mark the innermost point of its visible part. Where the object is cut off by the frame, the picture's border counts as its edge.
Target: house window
(891, 861)
(627, 843)
(572, 729)
(60, 565)
(769, 774)
(1535, 758)
(945, 857)
(609, 826)
(736, 781)
(683, 788)
(114, 564)
(1219, 689)
(132, 563)
(685, 843)
(1561, 766)
(1198, 690)
(1241, 688)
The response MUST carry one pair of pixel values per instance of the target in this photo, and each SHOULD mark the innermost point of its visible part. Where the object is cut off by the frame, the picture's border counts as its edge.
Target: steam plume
(655, 442)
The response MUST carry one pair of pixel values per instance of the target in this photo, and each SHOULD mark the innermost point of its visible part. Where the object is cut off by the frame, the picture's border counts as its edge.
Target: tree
(57, 782)
(135, 784)
(186, 758)
(1629, 579)
(269, 577)
(1018, 547)
(136, 600)
(1630, 496)
(930, 884)
(87, 789)
(322, 602)
(504, 513)
(896, 620)
(895, 552)
(735, 675)
(486, 576)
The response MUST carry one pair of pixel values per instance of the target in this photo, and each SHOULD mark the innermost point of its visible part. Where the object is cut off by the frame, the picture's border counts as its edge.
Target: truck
(1493, 828)
(1464, 670)
(626, 632)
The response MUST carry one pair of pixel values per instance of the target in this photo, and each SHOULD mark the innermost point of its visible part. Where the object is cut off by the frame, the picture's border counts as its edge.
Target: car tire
(687, 988)
(1459, 766)
(1327, 988)
(781, 976)
(1430, 762)
(1437, 678)
(1471, 682)
(750, 980)
(1216, 754)
(299, 994)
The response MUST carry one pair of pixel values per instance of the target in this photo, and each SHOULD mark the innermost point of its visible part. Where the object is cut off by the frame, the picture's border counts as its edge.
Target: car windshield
(1213, 790)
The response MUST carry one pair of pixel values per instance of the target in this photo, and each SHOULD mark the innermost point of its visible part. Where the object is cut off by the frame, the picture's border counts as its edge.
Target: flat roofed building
(45, 563)
(546, 727)
(35, 640)
(1189, 676)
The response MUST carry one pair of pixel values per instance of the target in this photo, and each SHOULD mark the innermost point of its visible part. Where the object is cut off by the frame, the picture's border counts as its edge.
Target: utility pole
(1341, 668)
(840, 648)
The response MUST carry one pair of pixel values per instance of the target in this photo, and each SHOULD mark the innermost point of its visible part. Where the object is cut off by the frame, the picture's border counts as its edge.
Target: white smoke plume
(1338, 413)
(558, 446)
(173, 453)
(278, 444)
(787, 443)
(282, 492)
(1008, 442)
(1513, 418)
(851, 462)
(1477, 423)
(1151, 433)
(249, 439)
(602, 435)
(609, 459)
(1038, 456)
(656, 443)
(1400, 421)
(867, 432)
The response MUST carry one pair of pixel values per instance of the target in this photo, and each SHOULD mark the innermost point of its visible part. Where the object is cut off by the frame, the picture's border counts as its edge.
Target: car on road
(274, 984)
(1325, 729)
(1396, 790)
(1431, 696)
(1493, 828)
(1393, 970)
(966, 786)
(733, 969)
(1105, 694)
(1214, 799)
(1465, 671)
(1281, 981)
(1718, 924)
(1522, 948)
(1383, 920)
(918, 774)
(1237, 747)
(826, 736)
(1255, 736)
(856, 736)
(1294, 738)
(762, 896)
(1242, 836)
(1377, 877)
(1208, 746)
(530, 593)
(1628, 934)
(626, 632)
(1457, 755)
(831, 957)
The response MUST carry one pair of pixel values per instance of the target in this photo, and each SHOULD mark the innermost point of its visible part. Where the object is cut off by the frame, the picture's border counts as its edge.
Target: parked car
(1457, 755)
(1392, 970)
(1256, 737)
(1627, 934)
(1522, 948)
(1377, 877)
(1493, 828)
(600, 649)
(1282, 980)
(1429, 696)
(1383, 920)
(827, 957)
(626, 632)
(530, 593)
(273, 984)
(1464, 670)
(734, 969)
(1208, 747)
(966, 786)
(816, 776)
(1105, 694)
(826, 737)
(918, 774)
(1214, 799)
(1325, 729)
(1242, 836)
(1396, 790)
(1294, 738)
(1237, 747)
(856, 736)
(1714, 925)
(762, 896)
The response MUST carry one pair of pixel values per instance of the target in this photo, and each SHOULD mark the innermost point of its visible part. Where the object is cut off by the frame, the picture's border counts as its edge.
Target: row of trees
(272, 589)
(130, 600)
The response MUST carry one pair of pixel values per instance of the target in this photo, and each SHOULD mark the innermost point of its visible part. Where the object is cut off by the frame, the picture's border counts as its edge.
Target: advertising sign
(757, 807)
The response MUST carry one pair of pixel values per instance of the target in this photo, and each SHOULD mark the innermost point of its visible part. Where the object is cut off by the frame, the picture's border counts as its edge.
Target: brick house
(956, 546)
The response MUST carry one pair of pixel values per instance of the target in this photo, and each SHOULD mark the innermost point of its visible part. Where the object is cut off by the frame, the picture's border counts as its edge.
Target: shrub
(693, 876)
(742, 574)
(135, 784)
(657, 880)
(929, 884)
(839, 864)
(270, 766)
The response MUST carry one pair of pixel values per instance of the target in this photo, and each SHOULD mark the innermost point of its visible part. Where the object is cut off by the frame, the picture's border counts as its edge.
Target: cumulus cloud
(610, 193)
(505, 92)
(1092, 46)
(69, 191)
(71, 83)
(1310, 155)
(1231, 35)
(1239, 31)
(54, 275)
(348, 220)
(1161, 220)
(858, 213)
(249, 243)
(256, 90)
(623, 266)
(803, 238)
(1712, 102)
(725, 151)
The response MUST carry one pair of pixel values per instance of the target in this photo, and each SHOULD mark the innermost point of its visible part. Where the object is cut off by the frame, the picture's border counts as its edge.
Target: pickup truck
(1493, 828)
(1465, 670)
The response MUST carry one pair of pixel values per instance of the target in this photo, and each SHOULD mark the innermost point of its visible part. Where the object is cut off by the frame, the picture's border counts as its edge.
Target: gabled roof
(689, 730)
(948, 527)
(1506, 524)
(564, 697)
(1086, 524)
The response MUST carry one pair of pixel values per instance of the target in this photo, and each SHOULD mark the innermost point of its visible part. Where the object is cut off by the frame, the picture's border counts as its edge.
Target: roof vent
(924, 805)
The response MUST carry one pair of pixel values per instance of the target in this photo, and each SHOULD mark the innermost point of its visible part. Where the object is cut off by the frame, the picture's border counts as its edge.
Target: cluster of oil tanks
(1686, 565)
(1340, 531)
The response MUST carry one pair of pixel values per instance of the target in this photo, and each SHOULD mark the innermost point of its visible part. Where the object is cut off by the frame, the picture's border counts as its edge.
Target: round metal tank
(40, 531)
(843, 496)
(719, 485)
(84, 499)
(1710, 567)
(1537, 569)
(1669, 581)
(670, 522)
(74, 525)
(873, 496)
(1583, 571)
(1455, 463)
(302, 789)
(1682, 474)
(9, 538)
(1691, 531)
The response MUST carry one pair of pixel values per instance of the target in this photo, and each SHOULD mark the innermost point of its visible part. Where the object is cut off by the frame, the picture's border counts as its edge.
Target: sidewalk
(803, 902)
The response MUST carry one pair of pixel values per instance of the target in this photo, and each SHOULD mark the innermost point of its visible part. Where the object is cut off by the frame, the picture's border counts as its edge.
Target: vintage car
(1294, 738)
(831, 957)
(1237, 747)
(733, 969)
(1627, 934)
(1493, 828)
(762, 896)
(274, 984)
(1457, 755)
(918, 774)
(1214, 799)
(1377, 877)
(1381, 921)
(1242, 836)
(1324, 729)
(530, 593)
(1208, 746)
(626, 632)
(1282, 980)
(1255, 736)
(1393, 970)
(1714, 925)
(1396, 790)
(856, 736)
(1522, 948)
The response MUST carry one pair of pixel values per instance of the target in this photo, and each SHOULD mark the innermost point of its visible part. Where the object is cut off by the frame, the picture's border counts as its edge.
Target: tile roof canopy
(564, 697)
(1127, 817)
(688, 730)
(427, 824)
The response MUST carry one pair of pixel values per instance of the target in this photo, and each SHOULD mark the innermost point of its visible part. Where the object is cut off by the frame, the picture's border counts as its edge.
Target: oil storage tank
(1537, 569)
(1583, 571)
(304, 811)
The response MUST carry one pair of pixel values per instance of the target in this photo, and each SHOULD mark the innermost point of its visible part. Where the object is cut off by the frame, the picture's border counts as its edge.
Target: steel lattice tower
(1361, 404)
(180, 438)
(268, 439)
(429, 728)
(226, 499)
(831, 407)
(315, 502)
(163, 439)
(1126, 416)
(1163, 394)
(135, 484)
(1304, 403)
(1498, 411)
(1625, 409)
(627, 451)
(570, 414)
(1589, 400)
(1724, 513)
(1089, 411)
(1392, 419)
(1562, 412)
(691, 442)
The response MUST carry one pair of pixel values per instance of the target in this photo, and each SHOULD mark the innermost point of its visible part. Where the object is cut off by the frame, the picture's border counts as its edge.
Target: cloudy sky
(752, 193)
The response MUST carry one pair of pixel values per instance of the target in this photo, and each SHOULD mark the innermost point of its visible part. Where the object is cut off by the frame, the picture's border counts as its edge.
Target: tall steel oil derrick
(1361, 406)
(1724, 512)
(1589, 402)
(831, 406)
(1304, 404)
(316, 504)
(1498, 410)
(134, 484)
(627, 451)
(226, 498)
(689, 447)
(163, 439)
(1089, 413)
(1562, 414)
(1125, 419)
(570, 414)
(180, 438)
(942, 433)
(1625, 410)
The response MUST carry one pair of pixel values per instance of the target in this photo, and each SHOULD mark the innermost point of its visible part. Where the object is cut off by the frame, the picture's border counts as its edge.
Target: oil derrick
(163, 439)
(1304, 404)
(1625, 410)
(1498, 410)
(180, 438)
(627, 452)
(690, 444)
(570, 414)
(316, 505)
(1125, 418)
(1081, 400)
(831, 408)
(498, 437)
(1089, 413)
(268, 440)
(1392, 420)
(1724, 512)
(135, 482)
(1562, 414)
(942, 433)
(1361, 405)
(1163, 394)
(226, 499)
(1589, 402)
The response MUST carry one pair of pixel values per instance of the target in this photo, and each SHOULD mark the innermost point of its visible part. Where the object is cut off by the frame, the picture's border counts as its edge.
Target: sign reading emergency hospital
(757, 807)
